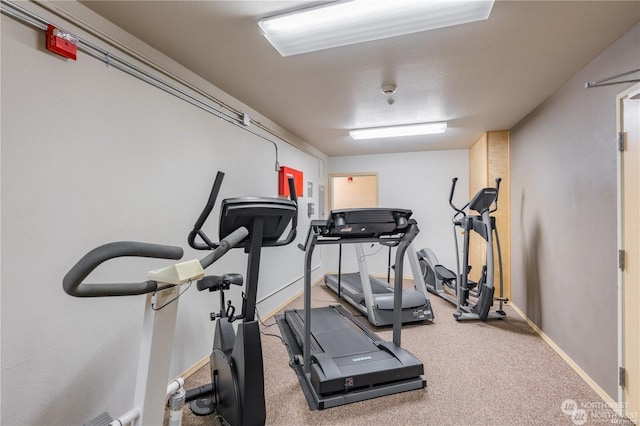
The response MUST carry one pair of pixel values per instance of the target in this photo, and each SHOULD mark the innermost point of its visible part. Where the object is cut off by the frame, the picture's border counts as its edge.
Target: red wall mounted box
(61, 42)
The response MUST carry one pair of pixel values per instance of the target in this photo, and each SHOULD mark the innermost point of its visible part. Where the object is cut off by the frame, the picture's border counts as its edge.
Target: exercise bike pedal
(203, 407)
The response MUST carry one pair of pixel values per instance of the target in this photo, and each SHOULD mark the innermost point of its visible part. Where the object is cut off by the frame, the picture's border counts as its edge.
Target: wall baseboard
(289, 300)
(197, 366)
(605, 397)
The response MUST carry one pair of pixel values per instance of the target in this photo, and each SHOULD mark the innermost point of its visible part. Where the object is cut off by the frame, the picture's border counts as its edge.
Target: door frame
(332, 176)
(629, 92)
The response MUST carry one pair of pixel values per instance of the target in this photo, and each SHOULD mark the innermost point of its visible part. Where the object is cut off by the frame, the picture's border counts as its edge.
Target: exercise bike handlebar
(229, 242)
(213, 195)
(293, 232)
(197, 227)
(72, 282)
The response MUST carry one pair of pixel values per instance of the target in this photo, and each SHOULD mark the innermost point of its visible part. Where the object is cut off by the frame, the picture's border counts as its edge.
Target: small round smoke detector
(388, 90)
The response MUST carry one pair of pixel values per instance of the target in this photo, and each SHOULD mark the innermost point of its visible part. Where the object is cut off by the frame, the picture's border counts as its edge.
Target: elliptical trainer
(472, 299)
(237, 375)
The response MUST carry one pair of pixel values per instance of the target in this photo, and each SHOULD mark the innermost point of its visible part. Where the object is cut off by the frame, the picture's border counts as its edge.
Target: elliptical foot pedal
(203, 407)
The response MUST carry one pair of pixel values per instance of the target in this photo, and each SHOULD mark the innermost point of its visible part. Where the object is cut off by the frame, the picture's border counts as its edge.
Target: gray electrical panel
(321, 201)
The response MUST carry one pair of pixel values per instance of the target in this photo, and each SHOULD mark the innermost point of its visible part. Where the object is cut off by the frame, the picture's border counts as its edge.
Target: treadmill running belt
(352, 279)
(337, 336)
(342, 372)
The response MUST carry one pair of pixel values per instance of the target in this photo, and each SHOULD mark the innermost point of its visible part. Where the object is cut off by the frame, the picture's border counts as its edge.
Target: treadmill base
(320, 402)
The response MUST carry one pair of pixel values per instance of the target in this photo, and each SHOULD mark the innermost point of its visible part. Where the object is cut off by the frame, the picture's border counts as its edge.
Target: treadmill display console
(366, 222)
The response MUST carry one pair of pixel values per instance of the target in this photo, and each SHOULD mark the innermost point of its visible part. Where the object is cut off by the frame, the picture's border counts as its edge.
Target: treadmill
(374, 297)
(337, 359)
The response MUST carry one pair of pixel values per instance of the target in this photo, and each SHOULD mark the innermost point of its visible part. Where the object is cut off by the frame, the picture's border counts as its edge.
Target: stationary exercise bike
(473, 300)
(236, 391)
(162, 291)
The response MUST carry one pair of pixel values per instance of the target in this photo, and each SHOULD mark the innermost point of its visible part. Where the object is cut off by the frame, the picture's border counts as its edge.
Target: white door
(628, 113)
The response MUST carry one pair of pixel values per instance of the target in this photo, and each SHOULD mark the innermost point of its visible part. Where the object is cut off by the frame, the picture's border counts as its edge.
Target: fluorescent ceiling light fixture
(348, 22)
(399, 131)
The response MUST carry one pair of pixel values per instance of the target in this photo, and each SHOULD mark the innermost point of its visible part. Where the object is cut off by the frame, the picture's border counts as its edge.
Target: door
(628, 113)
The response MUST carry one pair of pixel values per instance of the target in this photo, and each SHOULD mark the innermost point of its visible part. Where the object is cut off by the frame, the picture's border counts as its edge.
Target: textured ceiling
(482, 76)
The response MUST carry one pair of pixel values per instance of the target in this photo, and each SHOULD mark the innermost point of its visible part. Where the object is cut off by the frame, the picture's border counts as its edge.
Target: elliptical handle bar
(197, 228)
(495, 202)
(231, 240)
(453, 190)
(72, 282)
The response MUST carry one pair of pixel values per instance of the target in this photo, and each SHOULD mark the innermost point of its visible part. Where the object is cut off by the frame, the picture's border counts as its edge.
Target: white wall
(419, 181)
(91, 155)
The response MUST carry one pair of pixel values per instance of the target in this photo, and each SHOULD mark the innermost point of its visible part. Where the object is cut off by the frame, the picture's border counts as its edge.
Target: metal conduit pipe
(109, 40)
(23, 15)
(37, 22)
(116, 62)
(111, 60)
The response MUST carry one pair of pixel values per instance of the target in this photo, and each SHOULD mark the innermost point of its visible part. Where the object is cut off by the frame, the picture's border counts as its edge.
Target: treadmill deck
(349, 362)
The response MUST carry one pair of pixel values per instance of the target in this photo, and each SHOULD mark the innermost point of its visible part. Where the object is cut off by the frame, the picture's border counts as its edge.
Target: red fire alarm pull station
(61, 42)
(283, 181)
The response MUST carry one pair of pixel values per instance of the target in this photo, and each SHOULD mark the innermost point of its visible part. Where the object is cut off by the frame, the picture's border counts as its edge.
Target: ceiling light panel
(399, 131)
(349, 22)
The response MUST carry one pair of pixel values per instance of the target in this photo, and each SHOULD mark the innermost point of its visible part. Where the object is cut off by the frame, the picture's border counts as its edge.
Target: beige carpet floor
(493, 373)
